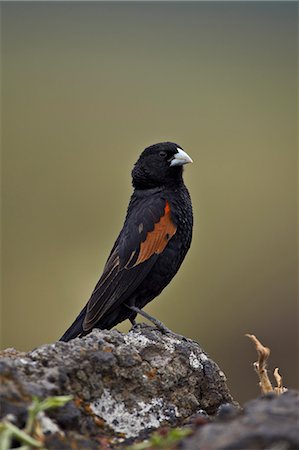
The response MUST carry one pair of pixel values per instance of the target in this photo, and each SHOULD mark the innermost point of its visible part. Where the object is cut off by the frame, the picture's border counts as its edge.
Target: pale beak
(180, 158)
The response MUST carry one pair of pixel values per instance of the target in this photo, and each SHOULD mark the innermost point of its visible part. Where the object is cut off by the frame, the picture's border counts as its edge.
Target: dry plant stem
(279, 389)
(260, 365)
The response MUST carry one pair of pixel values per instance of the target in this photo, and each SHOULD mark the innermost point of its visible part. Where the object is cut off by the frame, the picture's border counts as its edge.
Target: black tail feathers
(76, 328)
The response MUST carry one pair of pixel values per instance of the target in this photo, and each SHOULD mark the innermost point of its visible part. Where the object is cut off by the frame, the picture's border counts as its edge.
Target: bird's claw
(159, 325)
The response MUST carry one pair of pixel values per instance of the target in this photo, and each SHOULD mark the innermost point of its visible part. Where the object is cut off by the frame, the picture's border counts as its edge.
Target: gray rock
(123, 384)
(269, 422)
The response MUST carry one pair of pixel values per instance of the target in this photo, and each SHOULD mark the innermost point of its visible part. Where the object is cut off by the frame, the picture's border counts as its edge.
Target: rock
(123, 385)
(270, 422)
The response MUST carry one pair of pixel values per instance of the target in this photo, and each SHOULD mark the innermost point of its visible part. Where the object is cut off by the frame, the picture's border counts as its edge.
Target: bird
(151, 246)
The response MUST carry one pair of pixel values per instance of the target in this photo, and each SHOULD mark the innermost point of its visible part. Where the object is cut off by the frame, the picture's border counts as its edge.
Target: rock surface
(123, 385)
(270, 422)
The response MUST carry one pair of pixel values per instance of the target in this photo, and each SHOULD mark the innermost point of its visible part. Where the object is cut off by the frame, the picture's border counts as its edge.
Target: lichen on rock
(123, 385)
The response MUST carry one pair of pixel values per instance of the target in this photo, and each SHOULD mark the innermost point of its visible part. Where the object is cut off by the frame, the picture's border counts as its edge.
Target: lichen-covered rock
(123, 384)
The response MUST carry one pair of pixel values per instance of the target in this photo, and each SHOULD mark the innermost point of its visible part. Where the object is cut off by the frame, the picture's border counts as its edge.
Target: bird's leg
(152, 319)
(133, 322)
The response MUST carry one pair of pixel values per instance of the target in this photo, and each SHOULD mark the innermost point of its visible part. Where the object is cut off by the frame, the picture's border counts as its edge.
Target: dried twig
(279, 389)
(260, 366)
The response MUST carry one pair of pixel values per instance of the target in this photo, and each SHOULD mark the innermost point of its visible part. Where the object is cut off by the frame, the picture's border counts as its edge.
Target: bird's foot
(134, 324)
(152, 319)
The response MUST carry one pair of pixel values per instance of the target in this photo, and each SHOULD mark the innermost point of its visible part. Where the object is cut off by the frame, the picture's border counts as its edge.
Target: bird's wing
(146, 233)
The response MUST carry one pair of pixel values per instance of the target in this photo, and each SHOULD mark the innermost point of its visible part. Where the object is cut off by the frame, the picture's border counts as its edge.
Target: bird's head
(158, 165)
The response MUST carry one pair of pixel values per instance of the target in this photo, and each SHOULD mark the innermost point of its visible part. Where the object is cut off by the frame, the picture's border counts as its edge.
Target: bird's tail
(76, 328)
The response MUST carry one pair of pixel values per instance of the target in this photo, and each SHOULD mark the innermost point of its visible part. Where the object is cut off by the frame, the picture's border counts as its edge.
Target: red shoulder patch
(157, 239)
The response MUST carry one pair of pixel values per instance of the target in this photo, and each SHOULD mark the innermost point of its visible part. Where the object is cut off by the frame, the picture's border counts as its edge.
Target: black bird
(151, 246)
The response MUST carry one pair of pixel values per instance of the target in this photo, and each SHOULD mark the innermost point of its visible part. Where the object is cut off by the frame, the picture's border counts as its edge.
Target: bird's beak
(180, 158)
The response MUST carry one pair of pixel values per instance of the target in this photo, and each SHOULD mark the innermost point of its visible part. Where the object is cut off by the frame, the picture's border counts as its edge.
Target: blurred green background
(85, 87)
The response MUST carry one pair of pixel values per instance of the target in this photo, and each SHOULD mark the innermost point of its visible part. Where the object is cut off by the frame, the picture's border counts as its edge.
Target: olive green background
(85, 87)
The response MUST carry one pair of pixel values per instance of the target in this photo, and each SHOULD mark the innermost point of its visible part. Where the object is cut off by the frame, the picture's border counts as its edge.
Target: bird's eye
(162, 154)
